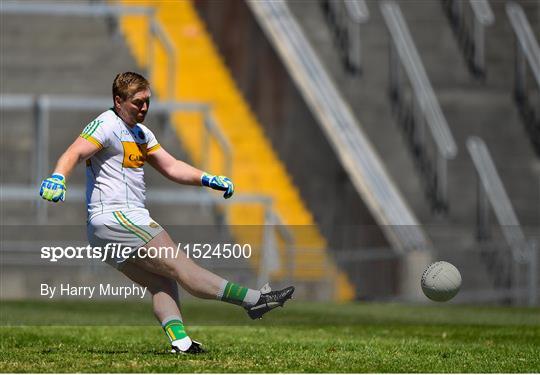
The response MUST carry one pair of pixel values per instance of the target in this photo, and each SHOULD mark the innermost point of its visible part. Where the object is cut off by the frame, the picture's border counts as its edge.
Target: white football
(441, 281)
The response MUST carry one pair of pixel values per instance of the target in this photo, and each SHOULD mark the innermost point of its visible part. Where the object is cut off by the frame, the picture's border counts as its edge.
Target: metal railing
(43, 104)
(341, 128)
(345, 18)
(527, 55)
(154, 32)
(491, 193)
(273, 224)
(423, 110)
(469, 24)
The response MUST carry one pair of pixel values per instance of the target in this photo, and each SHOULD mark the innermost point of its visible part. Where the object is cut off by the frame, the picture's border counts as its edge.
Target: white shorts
(131, 228)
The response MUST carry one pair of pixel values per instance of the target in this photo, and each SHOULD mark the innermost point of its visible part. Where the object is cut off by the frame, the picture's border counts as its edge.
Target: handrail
(358, 13)
(422, 87)
(345, 17)
(29, 193)
(525, 38)
(59, 9)
(492, 186)
(44, 103)
(94, 103)
(157, 29)
(26, 193)
(471, 37)
(491, 190)
(17, 101)
(339, 125)
(212, 127)
(424, 110)
(482, 12)
(357, 10)
(484, 15)
(82, 10)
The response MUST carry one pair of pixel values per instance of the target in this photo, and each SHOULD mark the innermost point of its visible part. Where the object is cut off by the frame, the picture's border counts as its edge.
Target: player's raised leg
(166, 306)
(205, 284)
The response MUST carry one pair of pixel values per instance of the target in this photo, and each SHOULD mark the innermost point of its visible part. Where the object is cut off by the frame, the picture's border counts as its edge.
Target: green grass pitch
(97, 336)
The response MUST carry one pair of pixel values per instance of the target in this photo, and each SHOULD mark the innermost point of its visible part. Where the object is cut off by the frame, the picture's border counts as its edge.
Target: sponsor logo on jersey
(134, 154)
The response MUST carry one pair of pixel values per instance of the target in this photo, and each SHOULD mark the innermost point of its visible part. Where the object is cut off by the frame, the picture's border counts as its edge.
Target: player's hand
(221, 183)
(53, 188)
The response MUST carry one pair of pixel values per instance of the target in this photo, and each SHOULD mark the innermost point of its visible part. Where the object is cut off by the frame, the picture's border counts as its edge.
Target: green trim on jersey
(91, 128)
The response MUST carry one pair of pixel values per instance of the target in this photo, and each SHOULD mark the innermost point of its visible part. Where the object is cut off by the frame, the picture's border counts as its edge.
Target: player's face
(133, 110)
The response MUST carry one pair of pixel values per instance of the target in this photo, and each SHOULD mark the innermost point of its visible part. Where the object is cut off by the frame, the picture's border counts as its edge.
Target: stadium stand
(471, 107)
(282, 148)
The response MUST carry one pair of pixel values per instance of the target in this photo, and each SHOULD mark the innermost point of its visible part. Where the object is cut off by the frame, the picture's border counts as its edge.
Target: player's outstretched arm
(185, 174)
(54, 188)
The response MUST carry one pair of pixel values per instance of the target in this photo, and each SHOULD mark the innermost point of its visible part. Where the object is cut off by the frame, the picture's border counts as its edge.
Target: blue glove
(53, 188)
(218, 183)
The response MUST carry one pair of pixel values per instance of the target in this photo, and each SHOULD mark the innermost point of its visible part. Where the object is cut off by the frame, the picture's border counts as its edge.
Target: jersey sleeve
(152, 144)
(96, 133)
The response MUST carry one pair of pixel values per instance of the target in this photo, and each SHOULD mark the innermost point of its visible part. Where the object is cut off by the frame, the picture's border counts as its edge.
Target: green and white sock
(174, 328)
(238, 295)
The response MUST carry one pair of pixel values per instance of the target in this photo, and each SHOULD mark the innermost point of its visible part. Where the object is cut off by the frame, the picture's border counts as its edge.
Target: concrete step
(493, 117)
(471, 107)
(17, 147)
(500, 43)
(61, 55)
(367, 95)
(438, 48)
(441, 55)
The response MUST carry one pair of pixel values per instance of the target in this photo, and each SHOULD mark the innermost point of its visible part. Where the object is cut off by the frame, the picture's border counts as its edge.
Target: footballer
(115, 147)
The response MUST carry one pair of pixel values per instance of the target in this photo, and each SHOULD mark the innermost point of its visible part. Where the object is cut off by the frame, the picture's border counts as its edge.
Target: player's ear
(117, 101)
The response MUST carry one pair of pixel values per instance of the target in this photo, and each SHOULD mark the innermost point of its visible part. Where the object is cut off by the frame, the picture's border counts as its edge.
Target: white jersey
(114, 175)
